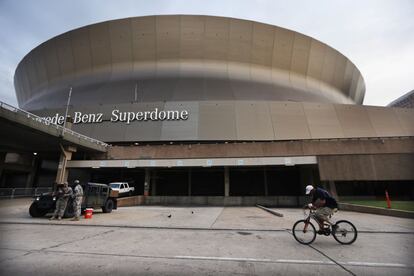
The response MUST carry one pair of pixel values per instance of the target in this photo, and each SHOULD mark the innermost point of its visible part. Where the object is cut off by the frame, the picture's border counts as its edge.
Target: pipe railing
(49, 123)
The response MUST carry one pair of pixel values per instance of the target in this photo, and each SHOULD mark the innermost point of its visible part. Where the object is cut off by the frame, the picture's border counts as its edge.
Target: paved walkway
(144, 240)
(249, 218)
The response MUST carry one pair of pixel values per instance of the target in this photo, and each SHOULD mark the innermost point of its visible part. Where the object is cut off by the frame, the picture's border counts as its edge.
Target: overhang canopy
(23, 131)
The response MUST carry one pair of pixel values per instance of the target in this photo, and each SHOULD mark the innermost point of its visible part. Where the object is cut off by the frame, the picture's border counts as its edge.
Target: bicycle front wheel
(304, 231)
(344, 232)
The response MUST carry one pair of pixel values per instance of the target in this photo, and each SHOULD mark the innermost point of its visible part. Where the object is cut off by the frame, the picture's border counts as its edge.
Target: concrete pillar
(65, 156)
(147, 181)
(306, 178)
(189, 182)
(154, 183)
(412, 192)
(332, 189)
(266, 190)
(226, 181)
(32, 173)
(2, 157)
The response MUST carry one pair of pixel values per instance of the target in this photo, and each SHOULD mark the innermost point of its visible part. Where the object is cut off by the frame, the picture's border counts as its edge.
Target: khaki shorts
(324, 213)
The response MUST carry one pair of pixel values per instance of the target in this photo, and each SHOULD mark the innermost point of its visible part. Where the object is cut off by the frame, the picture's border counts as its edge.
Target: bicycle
(304, 231)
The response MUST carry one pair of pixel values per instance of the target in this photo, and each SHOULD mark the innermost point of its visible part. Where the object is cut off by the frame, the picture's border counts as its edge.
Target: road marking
(293, 261)
(213, 258)
(378, 264)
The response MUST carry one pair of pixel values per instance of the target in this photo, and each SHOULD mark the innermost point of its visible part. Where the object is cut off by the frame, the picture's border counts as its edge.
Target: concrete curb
(269, 210)
(376, 210)
(130, 201)
(282, 201)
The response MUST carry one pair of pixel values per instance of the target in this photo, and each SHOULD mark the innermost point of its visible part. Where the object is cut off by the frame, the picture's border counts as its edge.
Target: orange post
(387, 197)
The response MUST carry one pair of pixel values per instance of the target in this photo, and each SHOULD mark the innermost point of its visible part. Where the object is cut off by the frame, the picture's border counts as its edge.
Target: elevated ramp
(24, 131)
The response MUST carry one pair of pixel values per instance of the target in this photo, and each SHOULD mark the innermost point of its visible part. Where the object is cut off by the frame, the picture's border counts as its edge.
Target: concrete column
(189, 182)
(226, 181)
(147, 181)
(332, 189)
(32, 173)
(154, 183)
(306, 178)
(412, 192)
(65, 156)
(266, 190)
(2, 157)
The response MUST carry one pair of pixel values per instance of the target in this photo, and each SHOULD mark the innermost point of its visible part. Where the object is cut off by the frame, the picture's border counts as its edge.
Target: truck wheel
(109, 205)
(36, 212)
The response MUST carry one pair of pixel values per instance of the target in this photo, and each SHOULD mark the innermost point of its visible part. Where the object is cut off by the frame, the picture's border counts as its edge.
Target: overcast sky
(377, 35)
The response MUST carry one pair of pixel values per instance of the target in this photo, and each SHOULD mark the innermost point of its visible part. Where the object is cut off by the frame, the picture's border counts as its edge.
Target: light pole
(67, 109)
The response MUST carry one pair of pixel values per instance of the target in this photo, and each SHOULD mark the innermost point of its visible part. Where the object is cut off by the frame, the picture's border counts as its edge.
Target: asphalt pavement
(166, 240)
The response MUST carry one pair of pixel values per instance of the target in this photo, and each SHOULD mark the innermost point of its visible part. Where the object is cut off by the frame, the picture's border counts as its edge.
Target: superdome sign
(122, 116)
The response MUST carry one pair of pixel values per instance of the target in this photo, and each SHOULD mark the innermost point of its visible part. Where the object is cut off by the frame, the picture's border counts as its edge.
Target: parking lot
(165, 240)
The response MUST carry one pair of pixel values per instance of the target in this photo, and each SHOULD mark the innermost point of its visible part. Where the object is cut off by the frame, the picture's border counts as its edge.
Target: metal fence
(23, 192)
(47, 121)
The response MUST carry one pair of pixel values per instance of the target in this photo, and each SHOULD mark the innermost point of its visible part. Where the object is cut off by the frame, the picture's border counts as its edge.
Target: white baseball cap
(308, 189)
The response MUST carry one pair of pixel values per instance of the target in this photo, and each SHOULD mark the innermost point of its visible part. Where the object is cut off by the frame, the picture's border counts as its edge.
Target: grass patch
(398, 205)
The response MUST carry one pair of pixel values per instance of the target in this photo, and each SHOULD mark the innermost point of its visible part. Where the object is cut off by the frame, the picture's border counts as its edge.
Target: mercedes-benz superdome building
(204, 109)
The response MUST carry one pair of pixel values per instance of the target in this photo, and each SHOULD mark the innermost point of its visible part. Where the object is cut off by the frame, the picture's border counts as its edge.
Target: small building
(406, 101)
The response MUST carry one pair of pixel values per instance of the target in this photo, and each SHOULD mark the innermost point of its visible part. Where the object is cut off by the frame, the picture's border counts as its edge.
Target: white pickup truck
(122, 188)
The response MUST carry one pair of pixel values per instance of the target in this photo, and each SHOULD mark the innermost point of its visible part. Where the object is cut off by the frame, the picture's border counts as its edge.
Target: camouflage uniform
(63, 194)
(77, 200)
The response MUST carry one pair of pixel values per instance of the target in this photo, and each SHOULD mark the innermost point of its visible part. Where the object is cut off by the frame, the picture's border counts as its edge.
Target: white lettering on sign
(87, 118)
(57, 119)
(121, 116)
(154, 115)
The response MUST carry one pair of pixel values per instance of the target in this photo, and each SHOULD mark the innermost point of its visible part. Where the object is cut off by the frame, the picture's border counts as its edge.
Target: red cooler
(88, 213)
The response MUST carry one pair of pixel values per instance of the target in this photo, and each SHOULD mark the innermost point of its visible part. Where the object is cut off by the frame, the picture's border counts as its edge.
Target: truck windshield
(115, 185)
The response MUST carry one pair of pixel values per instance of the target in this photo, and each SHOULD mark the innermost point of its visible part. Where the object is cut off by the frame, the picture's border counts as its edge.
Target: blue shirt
(324, 195)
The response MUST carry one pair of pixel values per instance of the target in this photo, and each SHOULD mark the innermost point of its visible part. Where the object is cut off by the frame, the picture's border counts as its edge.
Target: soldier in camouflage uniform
(63, 193)
(77, 200)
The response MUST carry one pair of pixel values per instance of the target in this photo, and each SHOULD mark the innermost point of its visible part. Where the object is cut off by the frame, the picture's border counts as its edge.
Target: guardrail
(23, 192)
(49, 123)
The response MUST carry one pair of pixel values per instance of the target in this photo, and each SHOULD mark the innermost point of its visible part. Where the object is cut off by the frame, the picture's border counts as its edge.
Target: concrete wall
(375, 210)
(286, 201)
(130, 201)
(367, 167)
(261, 149)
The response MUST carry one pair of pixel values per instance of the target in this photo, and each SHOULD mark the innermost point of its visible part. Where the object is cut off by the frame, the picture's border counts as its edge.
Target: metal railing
(49, 123)
(23, 192)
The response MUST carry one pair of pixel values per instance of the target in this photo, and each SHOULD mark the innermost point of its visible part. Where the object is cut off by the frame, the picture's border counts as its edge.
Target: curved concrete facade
(235, 79)
(184, 58)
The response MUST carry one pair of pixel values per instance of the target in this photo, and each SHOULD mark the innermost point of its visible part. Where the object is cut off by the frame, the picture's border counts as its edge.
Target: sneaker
(320, 232)
(52, 218)
(75, 219)
(59, 218)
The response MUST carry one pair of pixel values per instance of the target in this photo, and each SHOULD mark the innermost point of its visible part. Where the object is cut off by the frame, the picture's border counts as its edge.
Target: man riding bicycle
(324, 204)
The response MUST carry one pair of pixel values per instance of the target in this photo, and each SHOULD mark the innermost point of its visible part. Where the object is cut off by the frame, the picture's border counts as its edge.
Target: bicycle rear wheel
(304, 231)
(344, 232)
